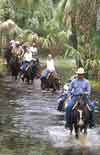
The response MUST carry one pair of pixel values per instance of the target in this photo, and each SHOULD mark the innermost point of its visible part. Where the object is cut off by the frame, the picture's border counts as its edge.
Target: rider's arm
(88, 89)
(70, 89)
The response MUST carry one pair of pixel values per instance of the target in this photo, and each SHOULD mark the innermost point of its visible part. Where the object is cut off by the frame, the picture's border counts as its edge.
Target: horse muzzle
(80, 123)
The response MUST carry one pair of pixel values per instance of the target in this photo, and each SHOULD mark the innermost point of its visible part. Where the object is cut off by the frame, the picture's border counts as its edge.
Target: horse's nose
(80, 123)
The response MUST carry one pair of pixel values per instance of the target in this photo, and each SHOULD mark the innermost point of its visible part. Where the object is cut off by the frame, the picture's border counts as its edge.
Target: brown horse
(80, 117)
(52, 81)
(32, 71)
(14, 66)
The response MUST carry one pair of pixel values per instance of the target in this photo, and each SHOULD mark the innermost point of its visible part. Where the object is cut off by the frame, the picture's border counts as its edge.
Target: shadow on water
(31, 125)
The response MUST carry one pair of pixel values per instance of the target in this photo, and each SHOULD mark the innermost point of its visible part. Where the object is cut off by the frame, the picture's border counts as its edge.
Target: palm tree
(70, 18)
(79, 18)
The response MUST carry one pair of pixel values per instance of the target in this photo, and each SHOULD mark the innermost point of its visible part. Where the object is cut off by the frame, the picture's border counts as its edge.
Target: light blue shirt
(78, 86)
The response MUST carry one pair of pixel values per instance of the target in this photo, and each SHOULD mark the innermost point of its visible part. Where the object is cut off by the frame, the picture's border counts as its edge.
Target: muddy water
(31, 125)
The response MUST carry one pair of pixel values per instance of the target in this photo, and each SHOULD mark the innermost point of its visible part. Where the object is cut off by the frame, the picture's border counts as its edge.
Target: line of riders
(22, 60)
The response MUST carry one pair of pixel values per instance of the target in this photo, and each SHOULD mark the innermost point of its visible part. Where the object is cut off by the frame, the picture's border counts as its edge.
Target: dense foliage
(63, 26)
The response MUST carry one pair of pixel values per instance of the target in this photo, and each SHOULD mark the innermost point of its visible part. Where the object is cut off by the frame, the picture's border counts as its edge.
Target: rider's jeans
(45, 73)
(72, 103)
(69, 108)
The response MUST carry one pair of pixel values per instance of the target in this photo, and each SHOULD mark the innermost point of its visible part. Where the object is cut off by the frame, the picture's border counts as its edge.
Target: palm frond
(71, 52)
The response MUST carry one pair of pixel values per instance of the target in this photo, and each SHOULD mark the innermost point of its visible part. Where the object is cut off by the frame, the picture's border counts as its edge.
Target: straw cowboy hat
(12, 41)
(17, 42)
(80, 71)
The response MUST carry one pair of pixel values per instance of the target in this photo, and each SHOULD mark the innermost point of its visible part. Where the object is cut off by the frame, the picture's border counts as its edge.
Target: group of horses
(32, 70)
(80, 115)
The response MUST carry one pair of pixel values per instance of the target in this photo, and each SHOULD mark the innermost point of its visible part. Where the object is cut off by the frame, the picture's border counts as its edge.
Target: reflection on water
(31, 125)
(60, 137)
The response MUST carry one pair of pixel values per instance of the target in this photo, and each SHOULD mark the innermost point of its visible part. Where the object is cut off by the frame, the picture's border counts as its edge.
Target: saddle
(78, 103)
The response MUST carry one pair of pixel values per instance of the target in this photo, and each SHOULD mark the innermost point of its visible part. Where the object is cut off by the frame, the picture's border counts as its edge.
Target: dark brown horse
(51, 82)
(14, 66)
(80, 117)
(8, 55)
(32, 71)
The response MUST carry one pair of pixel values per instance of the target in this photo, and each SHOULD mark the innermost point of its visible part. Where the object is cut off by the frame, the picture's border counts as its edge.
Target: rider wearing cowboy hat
(79, 86)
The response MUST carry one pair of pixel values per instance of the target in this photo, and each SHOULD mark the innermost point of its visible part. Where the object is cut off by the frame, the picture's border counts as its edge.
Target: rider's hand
(85, 93)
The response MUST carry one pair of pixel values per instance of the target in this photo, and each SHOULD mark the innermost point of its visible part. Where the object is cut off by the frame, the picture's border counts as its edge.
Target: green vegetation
(61, 27)
(66, 68)
(95, 85)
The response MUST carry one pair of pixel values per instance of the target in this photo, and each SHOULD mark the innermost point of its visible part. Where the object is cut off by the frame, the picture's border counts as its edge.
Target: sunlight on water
(60, 137)
(29, 115)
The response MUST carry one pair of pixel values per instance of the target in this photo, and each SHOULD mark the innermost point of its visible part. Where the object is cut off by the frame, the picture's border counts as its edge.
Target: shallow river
(31, 125)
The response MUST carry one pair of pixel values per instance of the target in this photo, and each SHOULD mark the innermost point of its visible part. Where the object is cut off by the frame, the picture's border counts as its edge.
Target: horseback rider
(34, 50)
(50, 68)
(18, 51)
(27, 57)
(64, 95)
(79, 86)
(50, 63)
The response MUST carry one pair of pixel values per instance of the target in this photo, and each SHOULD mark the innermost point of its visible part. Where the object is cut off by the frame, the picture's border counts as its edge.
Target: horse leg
(32, 79)
(54, 86)
(85, 129)
(23, 77)
(76, 131)
(47, 84)
(27, 80)
(43, 84)
(71, 129)
(15, 77)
